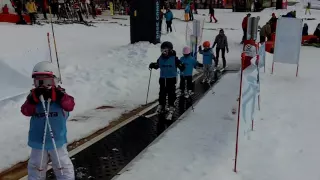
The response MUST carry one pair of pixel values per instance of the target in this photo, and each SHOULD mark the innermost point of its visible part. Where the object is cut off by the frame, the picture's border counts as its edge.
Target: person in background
(273, 22)
(305, 29)
(265, 32)
(222, 45)
(32, 11)
(5, 9)
(161, 19)
(190, 12)
(44, 5)
(187, 12)
(308, 9)
(211, 13)
(317, 31)
(169, 17)
(93, 8)
(244, 27)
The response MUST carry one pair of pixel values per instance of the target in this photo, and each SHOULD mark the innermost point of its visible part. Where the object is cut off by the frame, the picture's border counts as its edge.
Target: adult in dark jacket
(244, 27)
(222, 45)
(168, 63)
(305, 29)
(317, 31)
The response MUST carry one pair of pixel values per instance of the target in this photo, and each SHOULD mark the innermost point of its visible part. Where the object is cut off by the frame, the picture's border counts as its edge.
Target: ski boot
(160, 109)
(190, 92)
(186, 94)
(170, 113)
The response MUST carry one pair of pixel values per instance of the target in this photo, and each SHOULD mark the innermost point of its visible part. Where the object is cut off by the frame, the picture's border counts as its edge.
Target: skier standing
(186, 75)
(32, 11)
(308, 9)
(169, 17)
(222, 45)
(211, 13)
(46, 78)
(168, 64)
(244, 27)
(207, 56)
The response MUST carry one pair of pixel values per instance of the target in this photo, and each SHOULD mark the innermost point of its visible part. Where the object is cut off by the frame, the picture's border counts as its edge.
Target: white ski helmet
(45, 68)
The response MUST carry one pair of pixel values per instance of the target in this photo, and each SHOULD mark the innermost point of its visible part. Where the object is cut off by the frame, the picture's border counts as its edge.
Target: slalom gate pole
(55, 44)
(148, 86)
(50, 129)
(238, 121)
(48, 36)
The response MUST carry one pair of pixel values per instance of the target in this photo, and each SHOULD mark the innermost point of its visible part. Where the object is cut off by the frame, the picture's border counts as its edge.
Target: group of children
(168, 63)
(49, 105)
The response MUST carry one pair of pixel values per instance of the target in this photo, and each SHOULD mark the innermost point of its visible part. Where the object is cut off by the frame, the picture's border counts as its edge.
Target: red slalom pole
(48, 36)
(239, 110)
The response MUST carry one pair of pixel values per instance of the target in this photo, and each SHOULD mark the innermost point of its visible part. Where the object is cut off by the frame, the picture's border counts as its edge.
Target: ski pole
(55, 44)
(50, 130)
(49, 46)
(148, 86)
(44, 137)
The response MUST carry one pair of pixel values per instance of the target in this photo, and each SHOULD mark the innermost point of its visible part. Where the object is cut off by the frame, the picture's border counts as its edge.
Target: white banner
(288, 40)
(250, 88)
(262, 56)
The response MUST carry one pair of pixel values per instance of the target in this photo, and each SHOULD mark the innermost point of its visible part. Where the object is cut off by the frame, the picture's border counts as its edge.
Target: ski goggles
(43, 81)
(165, 51)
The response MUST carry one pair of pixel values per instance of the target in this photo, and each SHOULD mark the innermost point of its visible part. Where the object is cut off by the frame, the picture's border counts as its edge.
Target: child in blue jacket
(207, 56)
(169, 17)
(46, 78)
(186, 75)
(168, 63)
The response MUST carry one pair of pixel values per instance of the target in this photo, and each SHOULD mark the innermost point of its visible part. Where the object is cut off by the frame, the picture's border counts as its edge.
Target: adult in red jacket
(244, 27)
(273, 23)
(5, 9)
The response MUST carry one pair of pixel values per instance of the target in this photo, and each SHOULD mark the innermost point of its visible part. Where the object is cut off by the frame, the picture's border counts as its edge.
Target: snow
(283, 144)
(98, 67)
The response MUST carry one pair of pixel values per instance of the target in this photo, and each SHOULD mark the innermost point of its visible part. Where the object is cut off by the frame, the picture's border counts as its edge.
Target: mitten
(60, 92)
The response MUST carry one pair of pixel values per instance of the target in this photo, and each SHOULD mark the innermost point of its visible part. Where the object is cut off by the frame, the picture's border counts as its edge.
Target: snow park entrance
(122, 91)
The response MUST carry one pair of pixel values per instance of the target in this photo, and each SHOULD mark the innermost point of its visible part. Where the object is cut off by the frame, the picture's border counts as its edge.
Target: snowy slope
(98, 66)
(283, 145)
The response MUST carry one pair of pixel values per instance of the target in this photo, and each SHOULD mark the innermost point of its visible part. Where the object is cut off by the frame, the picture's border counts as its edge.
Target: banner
(288, 40)
(262, 56)
(249, 92)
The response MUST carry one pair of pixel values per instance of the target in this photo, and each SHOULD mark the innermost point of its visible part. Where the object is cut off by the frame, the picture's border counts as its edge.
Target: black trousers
(223, 52)
(183, 80)
(32, 18)
(244, 37)
(262, 39)
(190, 15)
(169, 23)
(167, 87)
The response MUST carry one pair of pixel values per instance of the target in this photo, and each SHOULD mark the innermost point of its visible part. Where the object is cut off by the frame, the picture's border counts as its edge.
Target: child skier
(44, 146)
(207, 56)
(168, 64)
(186, 75)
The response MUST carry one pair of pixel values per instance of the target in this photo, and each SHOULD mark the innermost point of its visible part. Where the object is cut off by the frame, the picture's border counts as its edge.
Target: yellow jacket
(31, 7)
